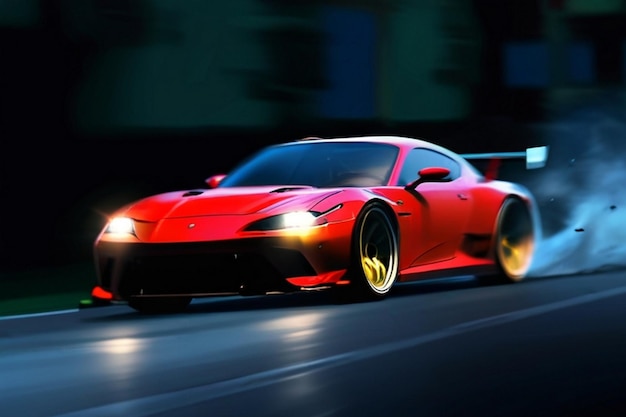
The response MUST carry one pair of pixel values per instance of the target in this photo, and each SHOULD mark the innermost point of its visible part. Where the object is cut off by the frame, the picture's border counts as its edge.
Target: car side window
(420, 158)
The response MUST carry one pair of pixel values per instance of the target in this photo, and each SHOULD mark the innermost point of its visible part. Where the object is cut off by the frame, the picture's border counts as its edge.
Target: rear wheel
(156, 305)
(375, 255)
(514, 242)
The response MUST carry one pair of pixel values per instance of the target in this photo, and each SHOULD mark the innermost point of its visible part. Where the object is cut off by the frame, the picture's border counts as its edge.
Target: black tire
(513, 242)
(374, 266)
(159, 305)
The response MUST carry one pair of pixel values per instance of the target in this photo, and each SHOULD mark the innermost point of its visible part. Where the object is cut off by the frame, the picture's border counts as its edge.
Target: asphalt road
(545, 347)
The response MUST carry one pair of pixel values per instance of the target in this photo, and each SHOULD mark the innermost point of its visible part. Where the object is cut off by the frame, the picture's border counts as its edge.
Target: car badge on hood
(191, 225)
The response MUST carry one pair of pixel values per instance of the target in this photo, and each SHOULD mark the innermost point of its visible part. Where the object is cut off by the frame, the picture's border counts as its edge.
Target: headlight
(292, 220)
(121, 225)
(298, 219)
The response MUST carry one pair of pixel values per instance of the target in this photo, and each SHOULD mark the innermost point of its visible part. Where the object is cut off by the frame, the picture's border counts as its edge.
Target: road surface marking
(47, 313)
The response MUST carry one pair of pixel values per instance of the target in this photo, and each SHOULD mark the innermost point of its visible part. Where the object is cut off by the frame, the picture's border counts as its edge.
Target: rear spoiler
(535, 157)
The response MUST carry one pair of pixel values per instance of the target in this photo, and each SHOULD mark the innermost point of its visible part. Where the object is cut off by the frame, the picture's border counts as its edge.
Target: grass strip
(40, 290)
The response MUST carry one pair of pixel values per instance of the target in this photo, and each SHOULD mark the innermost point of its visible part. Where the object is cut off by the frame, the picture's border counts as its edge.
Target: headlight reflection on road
(299, 332)
(297, 326)
(122, 346)
(302, 334)
(301, 337)
(121, 359)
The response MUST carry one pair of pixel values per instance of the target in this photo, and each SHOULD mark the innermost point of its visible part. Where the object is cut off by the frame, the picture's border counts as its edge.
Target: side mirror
(214, 181)
(431, 174)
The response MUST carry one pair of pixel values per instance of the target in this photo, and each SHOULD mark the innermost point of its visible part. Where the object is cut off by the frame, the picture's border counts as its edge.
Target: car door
(439, 209)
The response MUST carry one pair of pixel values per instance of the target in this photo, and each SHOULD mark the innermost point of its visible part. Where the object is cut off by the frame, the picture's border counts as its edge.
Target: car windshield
(318, 164)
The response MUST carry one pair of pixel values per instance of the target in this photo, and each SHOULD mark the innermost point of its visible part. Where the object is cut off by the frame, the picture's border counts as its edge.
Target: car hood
(226, 201)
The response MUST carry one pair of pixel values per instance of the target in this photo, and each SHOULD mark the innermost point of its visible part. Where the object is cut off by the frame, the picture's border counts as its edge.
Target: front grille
(198, 274)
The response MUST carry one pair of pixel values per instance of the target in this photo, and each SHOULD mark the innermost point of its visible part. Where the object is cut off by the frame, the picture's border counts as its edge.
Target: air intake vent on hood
(285, 189)
(192, 192)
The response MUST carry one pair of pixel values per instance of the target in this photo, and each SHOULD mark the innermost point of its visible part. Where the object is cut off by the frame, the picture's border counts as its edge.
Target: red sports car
(353, 215)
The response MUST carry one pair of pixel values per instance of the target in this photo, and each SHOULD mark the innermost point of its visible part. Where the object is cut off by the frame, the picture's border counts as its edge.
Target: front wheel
(375, 255)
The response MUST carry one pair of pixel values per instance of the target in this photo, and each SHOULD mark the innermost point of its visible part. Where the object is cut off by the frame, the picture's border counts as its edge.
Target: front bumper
(249, 266)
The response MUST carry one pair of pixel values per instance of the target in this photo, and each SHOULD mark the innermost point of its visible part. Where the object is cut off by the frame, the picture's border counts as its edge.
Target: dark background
(73, 150)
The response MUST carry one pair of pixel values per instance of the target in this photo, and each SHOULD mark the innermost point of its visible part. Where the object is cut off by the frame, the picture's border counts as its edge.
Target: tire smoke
(581, 195)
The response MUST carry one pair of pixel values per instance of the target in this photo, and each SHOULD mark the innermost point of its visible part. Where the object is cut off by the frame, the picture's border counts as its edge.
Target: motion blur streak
(150, 405)
(581, 197)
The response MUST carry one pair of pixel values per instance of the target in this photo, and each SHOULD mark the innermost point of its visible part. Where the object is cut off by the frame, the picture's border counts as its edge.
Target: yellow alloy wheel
(378, 250)
(514, 239)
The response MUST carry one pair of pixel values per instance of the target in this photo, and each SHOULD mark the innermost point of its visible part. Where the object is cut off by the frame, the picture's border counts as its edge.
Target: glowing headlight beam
(298, 219)
(121, 225)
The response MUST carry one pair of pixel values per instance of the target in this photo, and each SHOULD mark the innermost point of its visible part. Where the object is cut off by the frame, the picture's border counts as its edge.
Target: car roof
(400, 141)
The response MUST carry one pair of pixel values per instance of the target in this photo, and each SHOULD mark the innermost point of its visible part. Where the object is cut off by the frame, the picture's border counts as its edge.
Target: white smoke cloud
(582, 197)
